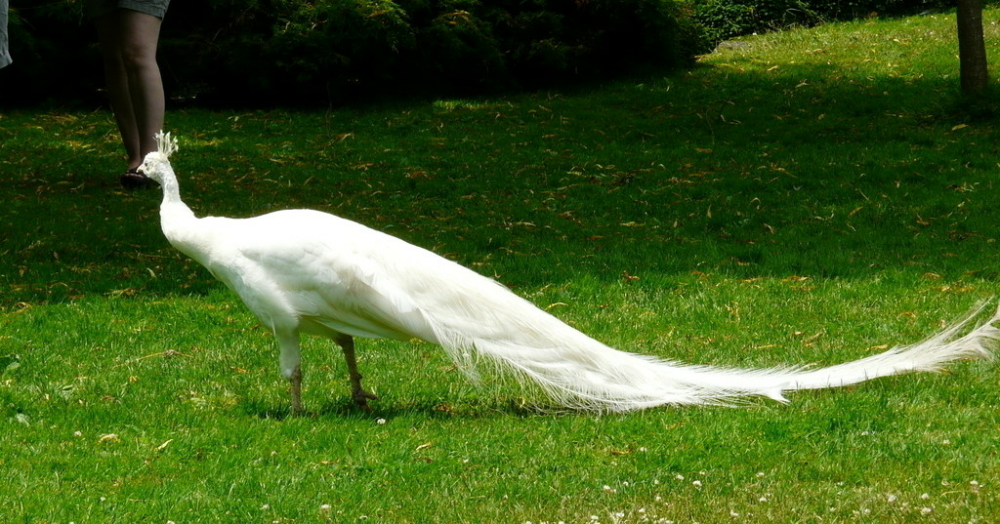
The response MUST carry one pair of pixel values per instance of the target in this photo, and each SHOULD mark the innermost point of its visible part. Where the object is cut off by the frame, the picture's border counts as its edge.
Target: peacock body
(308, 272)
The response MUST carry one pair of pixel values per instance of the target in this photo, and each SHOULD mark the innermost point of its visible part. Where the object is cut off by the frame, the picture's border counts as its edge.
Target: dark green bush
(449, 38)
(53, 55)
(335, 51)
(548, 41)
(722, 19)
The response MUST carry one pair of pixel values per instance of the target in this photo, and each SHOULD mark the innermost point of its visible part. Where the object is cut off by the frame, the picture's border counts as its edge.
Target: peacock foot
(361, 398)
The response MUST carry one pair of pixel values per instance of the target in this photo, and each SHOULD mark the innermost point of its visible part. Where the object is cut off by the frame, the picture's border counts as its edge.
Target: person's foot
(133, 179)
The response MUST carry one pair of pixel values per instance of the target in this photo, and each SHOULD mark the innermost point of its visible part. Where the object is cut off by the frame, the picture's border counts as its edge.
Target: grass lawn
(805, 197)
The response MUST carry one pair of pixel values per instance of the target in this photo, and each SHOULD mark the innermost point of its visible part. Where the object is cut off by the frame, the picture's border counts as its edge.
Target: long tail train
(581, 373)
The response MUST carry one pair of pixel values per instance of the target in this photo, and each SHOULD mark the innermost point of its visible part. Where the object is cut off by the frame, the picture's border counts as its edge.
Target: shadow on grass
(805, 169)
(388, 409)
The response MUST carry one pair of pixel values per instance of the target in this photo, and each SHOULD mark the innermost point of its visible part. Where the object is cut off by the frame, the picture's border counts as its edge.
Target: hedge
(722, 19)
(281, 52)
(310, 52)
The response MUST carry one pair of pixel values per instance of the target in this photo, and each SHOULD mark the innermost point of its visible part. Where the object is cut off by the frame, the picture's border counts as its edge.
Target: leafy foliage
(333, 51)
(722, 19)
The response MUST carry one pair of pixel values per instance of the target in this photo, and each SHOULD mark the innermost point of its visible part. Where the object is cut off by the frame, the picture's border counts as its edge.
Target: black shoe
(133, 179)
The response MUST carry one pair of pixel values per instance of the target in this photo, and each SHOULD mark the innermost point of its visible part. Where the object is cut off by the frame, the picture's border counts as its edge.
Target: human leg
(117, 85)
(138, 34)
(4, 41)
(135, 89)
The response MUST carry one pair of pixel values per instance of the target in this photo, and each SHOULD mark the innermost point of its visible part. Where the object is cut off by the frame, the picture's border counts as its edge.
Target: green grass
(809, 198)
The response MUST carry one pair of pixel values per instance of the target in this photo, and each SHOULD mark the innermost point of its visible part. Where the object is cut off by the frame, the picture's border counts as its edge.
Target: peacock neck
(171, 190)
(176, 219)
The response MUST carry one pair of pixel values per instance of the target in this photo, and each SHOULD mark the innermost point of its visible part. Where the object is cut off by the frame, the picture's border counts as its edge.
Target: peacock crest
(166, 144)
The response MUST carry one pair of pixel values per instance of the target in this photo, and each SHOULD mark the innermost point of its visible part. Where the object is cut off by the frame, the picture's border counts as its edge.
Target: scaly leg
(289, 359)
(295, 381)
(361, 397)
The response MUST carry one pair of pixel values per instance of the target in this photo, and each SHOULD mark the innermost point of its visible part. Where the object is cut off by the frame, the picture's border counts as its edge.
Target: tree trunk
(972, 47)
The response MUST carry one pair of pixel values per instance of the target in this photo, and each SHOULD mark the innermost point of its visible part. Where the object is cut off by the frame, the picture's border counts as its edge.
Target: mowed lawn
(800, 198)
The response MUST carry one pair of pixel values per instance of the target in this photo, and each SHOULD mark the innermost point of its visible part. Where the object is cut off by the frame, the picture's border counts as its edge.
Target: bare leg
(128, 44)
(5, 58)
(361, 397)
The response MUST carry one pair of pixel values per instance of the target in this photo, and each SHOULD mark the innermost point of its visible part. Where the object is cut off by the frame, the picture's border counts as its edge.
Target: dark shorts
(99, 8)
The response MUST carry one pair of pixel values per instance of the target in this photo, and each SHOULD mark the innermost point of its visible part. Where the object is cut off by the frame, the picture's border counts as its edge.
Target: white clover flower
(696, 483)
(926, 511)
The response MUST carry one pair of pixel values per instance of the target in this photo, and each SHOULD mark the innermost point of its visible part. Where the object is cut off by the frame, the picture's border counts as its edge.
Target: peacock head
(156, 165)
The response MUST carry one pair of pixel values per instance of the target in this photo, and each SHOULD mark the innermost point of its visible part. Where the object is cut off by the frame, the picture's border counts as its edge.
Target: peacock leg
(295, 381)
(361, 397)
(290, 359)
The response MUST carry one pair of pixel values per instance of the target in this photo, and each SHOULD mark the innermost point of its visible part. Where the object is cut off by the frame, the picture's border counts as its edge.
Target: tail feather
(930, 355)
(581, 373)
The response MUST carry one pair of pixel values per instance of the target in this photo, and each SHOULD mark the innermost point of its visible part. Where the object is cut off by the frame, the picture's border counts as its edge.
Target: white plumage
(304, 271)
